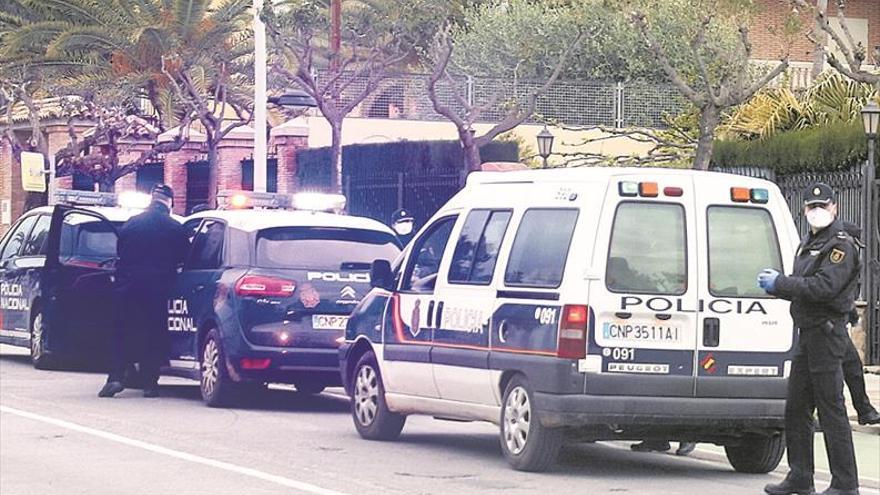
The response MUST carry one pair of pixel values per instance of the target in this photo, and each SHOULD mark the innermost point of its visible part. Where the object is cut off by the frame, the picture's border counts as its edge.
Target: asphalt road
(57, 437)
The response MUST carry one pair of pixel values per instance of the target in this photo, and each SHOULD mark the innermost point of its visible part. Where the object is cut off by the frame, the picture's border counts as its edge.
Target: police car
(265, 293)
(56, 264)
(588, 304)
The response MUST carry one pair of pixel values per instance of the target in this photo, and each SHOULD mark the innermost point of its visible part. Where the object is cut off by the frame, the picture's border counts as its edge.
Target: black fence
(378, 196)
(849, 185)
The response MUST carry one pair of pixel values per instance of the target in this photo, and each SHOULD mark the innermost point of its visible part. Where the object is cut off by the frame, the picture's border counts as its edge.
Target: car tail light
(257, 285)
(573, 332)
(255, 363)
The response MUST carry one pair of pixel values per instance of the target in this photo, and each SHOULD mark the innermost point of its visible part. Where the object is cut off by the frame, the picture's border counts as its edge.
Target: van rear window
(648, 249)
(540, 248)
(742, 242)
(322, 247)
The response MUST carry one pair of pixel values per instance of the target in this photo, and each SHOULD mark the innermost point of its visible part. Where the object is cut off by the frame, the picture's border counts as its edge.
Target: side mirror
(381, 275)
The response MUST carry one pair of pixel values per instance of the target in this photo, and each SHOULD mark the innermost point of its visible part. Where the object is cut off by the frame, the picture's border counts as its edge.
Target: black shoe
(110, 389)
(838, 491)
(685, 448)
(151, 392)
(788, 487)
(650, 446)
(870, 418)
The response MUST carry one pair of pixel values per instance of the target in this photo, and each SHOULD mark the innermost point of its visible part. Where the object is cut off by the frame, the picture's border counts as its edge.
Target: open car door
(77, 284)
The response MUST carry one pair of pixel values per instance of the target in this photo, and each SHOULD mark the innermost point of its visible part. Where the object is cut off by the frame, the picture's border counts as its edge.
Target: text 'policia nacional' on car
(56, 267)
(265, 293)
(585, 304)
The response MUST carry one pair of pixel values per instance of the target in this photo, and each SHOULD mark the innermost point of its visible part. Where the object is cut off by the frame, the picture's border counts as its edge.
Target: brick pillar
(175, 172)
(58, 138)
(6, 164)
(287, 140)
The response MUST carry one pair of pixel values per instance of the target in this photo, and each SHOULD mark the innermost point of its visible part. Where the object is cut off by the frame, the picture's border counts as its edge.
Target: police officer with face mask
(151, 246)
(822, 290)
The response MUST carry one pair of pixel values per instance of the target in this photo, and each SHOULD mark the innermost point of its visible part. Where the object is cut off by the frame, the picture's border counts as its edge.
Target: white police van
(585, 304)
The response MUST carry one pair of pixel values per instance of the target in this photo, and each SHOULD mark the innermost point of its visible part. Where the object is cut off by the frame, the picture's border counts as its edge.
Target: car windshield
(323, 247)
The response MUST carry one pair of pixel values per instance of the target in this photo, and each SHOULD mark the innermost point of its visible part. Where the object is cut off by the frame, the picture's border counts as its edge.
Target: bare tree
(722, 80)
(371, 54)
(19, 92)
(518, 110)
(855, 54)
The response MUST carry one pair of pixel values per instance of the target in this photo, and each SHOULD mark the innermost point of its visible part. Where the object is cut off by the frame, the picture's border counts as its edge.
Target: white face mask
(819, 218)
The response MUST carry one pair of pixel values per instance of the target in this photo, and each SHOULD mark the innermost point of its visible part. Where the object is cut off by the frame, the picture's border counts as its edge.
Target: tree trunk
(107, 184)
(472, 158)
(821, 40)
(336, 157)
(709, 119)
(213, 173)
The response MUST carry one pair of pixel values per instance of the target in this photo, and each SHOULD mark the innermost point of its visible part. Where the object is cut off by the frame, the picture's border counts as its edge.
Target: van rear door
(745, 336)
(643, 289)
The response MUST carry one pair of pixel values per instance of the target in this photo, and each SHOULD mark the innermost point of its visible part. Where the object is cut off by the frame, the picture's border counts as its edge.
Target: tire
(309, 387)
(39, 357)
(756, 454)
(372, 418)
(218, 389)
(525, 443)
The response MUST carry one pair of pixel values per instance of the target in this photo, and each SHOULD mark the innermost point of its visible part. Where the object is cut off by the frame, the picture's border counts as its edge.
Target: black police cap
(400, 214)
(819, 192)
(162, 190)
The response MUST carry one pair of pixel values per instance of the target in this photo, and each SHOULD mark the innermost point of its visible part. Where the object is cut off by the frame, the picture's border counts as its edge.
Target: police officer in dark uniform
(151, 246)
(403, 224)
(822, 290)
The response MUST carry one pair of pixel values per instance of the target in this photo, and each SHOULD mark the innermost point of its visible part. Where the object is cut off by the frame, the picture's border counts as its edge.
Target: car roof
(584, 174)
(111, 213)
(253, 220)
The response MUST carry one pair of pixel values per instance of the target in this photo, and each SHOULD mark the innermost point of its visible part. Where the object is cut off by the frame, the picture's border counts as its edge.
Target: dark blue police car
(265, 294)
(56, 264)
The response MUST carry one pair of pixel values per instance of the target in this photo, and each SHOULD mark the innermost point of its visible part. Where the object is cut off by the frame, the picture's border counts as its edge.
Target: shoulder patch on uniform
(837, 255)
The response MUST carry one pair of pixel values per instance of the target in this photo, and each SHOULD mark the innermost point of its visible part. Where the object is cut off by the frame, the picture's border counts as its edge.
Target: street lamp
(295, 98)
(545, 144)
(871, 119)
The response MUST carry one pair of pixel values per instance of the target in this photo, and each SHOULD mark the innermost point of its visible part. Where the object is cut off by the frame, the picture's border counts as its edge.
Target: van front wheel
(756, 454)
(372, 418)
(527, 445)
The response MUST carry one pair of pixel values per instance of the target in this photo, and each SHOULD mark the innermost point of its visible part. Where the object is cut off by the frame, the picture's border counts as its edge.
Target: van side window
(477, 250)
(540, 248)
(427, 252)
(648, 252)
(742, 242)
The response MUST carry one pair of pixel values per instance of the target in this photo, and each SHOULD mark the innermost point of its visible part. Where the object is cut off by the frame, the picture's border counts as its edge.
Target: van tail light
(260, 286)
(573, 332)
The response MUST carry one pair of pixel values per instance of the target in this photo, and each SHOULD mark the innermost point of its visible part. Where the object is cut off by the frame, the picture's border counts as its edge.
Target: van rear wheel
(527, 445)
(372, 418)
(756, 453)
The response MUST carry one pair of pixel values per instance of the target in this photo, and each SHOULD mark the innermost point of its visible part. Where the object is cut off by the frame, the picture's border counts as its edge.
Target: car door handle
(502, 331)
(430, 319)
(198, 287)
(663, 316)
(711, 332)
(623, 315)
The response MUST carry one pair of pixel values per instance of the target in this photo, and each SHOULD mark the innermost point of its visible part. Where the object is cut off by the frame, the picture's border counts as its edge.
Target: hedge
(412, 157)
(827, 148)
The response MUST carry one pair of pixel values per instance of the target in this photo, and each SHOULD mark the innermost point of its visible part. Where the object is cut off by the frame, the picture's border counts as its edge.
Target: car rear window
(322, 247)
(742, 242)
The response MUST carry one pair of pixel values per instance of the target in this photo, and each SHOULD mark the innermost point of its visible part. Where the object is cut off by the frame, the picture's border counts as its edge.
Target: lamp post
(545, 144)
(871, 119)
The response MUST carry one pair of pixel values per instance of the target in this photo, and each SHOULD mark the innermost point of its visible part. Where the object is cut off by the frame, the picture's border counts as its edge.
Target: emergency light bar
(237, 200)
(84, 198)
(646, 190)
(745, 195)
(134, 199)
(314, 201)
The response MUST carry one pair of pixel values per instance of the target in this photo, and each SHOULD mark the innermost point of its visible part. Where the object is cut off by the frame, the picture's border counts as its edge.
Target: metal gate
(378, 196)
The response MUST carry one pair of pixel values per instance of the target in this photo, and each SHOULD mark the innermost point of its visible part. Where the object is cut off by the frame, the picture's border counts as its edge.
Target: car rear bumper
(572, 410)
(288, 365)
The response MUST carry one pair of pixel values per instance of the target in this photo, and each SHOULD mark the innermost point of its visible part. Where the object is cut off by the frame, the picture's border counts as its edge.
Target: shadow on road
(267, 400)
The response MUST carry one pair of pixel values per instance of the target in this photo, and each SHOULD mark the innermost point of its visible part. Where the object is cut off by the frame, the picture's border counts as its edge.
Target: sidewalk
(872, 385)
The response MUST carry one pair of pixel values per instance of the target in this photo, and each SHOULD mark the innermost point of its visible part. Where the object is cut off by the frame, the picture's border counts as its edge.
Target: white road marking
(253, 473)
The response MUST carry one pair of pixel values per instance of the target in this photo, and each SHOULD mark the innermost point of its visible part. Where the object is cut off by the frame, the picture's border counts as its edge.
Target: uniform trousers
(140, 335)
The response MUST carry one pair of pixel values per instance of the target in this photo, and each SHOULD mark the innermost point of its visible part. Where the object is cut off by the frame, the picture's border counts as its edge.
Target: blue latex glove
(767, 279)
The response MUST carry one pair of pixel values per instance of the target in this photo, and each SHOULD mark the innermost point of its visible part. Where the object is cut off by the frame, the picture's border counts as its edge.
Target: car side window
(207, 247)
(427, 252)
(540, 248)
(190, 227)
(476, 252)
(36, 242)
(17, 238)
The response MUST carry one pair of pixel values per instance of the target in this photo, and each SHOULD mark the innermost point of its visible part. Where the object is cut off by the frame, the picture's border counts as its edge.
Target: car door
(463, 308)
(745, 335)
(192, 300)
(645, 300)
(77, 283)
(14, 297)
(413, 315)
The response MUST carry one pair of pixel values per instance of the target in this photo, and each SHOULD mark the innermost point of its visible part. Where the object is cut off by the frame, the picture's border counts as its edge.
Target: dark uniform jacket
(151, 246)
(822, 290)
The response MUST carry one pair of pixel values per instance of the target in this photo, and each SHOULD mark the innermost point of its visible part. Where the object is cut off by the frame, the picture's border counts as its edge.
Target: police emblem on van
(415, 326)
